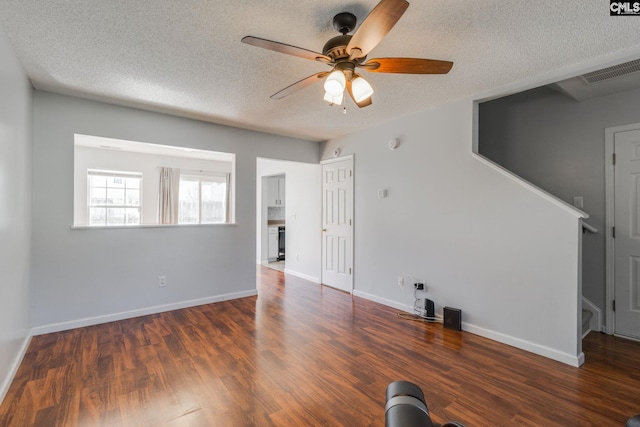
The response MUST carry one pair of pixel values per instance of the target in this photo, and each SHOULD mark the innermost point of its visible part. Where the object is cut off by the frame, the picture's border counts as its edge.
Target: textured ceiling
(185, 57)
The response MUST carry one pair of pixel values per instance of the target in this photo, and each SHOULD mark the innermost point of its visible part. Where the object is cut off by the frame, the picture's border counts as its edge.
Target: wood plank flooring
(301, 354)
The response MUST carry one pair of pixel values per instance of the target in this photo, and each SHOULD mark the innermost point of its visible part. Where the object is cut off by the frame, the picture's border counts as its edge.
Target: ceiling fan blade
(407, 66)
(375, 26)
(285, 48)
(361, 104)
(307, 81)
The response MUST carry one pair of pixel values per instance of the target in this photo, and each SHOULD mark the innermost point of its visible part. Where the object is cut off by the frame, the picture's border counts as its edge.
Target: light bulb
(361, 89)
(333, 99)
(335, 83)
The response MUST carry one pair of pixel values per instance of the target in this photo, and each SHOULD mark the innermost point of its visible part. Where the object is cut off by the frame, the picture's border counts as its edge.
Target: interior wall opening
(128, 183)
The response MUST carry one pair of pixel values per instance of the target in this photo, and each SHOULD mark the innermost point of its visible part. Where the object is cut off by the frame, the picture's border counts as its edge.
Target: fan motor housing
(336, 48)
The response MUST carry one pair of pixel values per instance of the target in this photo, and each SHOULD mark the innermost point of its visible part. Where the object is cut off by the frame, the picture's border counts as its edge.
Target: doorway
(300, 208)
(275, 204)
(623, 230)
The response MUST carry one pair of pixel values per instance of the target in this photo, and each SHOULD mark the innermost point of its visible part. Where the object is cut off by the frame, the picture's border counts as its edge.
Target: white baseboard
(302, 275)
(383, 301)
(8, 379)
(541, 350)
(595, 324)
(89, 321)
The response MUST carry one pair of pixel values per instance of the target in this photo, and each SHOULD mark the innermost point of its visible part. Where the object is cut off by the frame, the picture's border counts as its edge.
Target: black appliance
(281, 243)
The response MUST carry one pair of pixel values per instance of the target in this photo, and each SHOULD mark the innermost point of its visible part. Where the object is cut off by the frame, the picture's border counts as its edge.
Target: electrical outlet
(401, 281)
(419, 286)
(162, 281)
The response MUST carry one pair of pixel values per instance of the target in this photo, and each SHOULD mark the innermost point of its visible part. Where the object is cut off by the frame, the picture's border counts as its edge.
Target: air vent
(612, 72)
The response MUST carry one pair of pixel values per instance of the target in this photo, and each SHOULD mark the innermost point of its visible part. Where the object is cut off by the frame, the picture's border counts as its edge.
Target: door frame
(350, 157)
(610, 293)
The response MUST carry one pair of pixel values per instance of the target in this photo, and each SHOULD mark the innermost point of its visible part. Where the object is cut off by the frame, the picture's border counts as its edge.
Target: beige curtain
(168, 195)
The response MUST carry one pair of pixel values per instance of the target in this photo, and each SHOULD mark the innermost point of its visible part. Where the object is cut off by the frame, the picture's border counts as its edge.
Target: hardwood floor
(305, 355)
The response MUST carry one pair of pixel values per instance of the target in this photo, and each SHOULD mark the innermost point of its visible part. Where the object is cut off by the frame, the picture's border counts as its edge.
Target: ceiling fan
(345, 53)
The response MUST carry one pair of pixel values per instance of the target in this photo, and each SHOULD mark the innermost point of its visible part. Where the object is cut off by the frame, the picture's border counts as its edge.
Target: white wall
(303, 215)
(104, 274)
(507, 256)
(15, 212)
(558, 144)
(125, 161)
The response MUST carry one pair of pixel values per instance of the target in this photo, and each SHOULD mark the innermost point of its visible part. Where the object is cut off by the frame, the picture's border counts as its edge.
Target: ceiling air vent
(612, 72)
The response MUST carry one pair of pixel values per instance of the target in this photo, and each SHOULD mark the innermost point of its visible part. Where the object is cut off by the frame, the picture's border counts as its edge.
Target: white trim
(609, 219)
(384, 301)
(529, 346)
(338, 159)
(13, 370)
(578, 312)
(302, 275)
(350, 157)
(129, 227)
(541, 350)
(595, 324)
(627, 338)
(609, 177)
(89, 321)
(526, 184)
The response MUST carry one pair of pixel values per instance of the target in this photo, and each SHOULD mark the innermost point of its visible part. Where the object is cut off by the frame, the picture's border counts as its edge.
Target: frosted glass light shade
(335, 83)
(333, 99)
(361, 89)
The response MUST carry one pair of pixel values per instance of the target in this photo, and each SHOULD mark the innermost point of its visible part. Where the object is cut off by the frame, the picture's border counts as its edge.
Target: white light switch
(382, 193)
(578, 202)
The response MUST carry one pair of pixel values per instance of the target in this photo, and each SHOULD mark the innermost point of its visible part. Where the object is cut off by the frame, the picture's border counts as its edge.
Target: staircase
(586, 318)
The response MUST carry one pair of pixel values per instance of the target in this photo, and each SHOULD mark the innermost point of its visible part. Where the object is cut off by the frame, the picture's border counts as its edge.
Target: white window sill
(120, 227)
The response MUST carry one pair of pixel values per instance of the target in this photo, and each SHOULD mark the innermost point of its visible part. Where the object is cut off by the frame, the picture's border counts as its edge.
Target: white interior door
(627, 233)
(337, 223)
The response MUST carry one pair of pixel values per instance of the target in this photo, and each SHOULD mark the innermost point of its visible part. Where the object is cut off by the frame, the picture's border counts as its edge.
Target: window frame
(114, 174)
(207, 176)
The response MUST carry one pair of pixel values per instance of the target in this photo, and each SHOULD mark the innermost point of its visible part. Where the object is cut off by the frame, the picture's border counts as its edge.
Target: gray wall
(80, 273)
(15, 211)
(480, 239)
(557, 144)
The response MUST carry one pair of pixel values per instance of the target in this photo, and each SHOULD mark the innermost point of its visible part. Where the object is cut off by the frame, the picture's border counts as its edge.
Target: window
(202, 199)
(114, 198)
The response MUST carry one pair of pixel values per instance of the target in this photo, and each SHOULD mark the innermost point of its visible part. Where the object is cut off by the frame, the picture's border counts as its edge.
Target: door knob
(324, 229)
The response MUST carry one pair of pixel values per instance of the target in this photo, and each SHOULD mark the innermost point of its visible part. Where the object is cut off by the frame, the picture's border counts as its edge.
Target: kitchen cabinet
(276, 191)
(272, 253)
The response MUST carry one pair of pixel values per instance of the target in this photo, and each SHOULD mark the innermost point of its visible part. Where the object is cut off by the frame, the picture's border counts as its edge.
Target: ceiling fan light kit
(345, 53)
(335, 83)
(361, 89)
(333, 100)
